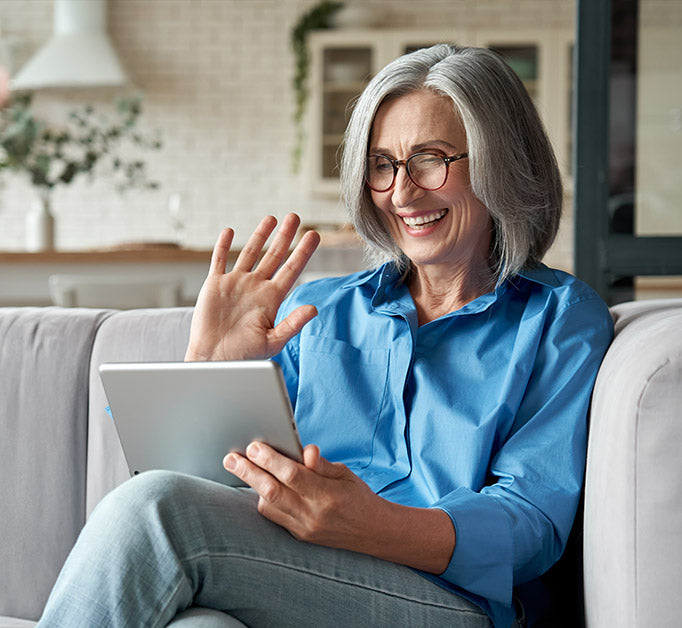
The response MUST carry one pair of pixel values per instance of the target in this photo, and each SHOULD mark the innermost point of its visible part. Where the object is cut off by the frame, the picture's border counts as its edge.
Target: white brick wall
(216, 76)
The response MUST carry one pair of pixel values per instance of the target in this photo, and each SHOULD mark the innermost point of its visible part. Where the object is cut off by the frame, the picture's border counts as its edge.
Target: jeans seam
(340, 580)
(168, 603)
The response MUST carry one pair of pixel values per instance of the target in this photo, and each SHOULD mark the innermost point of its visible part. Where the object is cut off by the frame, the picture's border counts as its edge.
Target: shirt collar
(392, 296)
(541, 274)
(384, 274)
(388, 288)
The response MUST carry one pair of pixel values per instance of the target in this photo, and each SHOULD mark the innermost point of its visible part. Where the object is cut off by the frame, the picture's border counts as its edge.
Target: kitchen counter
(24, 276)
(107, 256)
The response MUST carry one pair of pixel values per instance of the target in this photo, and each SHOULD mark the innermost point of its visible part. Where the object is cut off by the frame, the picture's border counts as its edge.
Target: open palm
(234, 318)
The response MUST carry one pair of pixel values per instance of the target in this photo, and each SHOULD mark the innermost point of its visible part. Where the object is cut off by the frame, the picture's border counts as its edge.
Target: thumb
(315, 462)
(293, 324)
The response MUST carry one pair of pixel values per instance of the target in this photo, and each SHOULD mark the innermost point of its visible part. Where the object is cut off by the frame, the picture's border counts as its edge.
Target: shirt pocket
(342, 391)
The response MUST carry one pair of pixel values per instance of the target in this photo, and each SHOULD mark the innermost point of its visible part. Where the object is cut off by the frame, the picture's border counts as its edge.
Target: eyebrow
(415, 148)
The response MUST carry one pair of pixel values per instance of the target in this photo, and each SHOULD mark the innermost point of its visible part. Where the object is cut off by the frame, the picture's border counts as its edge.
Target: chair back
(121, 292)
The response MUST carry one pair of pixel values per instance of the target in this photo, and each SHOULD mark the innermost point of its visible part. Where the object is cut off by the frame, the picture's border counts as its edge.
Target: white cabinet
(343, 61)
(544, 61)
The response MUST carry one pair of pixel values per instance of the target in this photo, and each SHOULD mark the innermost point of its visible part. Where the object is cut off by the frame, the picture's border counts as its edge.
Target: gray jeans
(164, 542)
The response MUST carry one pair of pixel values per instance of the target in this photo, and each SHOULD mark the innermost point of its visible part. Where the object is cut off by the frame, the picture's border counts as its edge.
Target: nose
(404, 191)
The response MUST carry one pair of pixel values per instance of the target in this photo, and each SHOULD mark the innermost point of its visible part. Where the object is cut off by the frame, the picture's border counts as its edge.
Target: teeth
(423, 221)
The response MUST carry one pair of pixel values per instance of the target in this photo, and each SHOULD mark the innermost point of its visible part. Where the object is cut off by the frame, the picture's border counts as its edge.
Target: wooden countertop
(148, 252)
(110, 255)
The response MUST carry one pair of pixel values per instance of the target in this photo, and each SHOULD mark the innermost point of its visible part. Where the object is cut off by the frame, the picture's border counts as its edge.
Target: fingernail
(253, 450)
(230, 462)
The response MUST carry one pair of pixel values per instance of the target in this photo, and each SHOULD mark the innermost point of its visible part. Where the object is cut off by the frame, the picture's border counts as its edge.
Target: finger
(279, 248)
(277, 502)
(286, 472)
(286, 329)
(288, 521)
(321, 466)
(311, 457)
(291, 270)
(221, 252)
(232, 463)
(254, 246)
(247, 471)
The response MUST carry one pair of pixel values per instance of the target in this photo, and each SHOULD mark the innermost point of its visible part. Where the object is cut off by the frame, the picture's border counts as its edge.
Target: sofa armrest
(146, 335)
(44, 363)
(633, 493)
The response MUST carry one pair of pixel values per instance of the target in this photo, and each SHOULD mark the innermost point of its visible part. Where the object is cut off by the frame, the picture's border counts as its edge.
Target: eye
(424, 162)
(428, 159)
(379, 163)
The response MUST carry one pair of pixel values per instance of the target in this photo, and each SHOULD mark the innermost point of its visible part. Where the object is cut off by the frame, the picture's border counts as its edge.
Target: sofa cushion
(197, 617)
(12, 622)
(44, 363)
(633, 496)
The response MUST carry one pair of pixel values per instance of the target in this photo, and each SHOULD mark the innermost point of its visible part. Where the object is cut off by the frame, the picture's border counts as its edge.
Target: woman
(447, 390)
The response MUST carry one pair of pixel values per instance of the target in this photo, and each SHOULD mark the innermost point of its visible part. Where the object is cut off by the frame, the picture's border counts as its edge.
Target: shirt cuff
(483, 559)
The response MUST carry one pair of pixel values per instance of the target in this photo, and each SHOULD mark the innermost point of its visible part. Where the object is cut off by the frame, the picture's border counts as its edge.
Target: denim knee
(127, 559)
(144, 496)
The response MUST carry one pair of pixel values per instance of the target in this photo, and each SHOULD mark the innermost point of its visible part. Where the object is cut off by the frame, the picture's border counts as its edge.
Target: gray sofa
(59, 454)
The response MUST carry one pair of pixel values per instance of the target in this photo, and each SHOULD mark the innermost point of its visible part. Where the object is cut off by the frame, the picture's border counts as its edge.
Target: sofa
(59, 454)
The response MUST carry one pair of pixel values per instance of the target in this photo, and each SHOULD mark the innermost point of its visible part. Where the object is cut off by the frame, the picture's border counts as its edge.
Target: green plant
(319, 17)
(52, 156)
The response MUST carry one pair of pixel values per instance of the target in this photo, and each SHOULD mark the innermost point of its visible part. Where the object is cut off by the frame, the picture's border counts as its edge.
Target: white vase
(40, 226)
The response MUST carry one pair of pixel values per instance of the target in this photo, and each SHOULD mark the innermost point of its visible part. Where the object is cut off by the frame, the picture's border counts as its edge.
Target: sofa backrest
(633, 492)
(44, 364)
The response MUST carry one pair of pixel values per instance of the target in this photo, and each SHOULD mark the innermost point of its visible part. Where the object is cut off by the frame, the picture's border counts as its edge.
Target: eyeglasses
(427, 171)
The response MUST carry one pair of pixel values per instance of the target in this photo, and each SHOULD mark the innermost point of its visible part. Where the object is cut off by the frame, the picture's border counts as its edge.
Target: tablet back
(186, 416)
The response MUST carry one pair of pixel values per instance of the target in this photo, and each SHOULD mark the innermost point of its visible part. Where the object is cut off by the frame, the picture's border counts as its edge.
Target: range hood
(79, 54)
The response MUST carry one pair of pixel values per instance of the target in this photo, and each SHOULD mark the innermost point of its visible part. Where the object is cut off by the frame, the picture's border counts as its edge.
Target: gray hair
(512, 166)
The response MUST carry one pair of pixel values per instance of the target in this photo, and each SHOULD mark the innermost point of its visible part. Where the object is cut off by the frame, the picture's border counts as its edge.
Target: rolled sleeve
(479, 523)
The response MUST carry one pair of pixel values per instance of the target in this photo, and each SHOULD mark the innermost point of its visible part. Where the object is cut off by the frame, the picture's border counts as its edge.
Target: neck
(437, 292)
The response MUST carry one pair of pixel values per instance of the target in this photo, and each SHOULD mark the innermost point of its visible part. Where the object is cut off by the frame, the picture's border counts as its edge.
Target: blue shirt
(482, 412)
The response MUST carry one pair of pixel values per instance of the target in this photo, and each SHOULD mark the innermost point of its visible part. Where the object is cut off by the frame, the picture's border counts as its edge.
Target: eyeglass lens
(426, 170)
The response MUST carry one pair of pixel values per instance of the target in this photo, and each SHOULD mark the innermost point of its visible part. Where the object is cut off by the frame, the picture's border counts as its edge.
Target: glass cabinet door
(543, 63)
(345, 72)
(523, 59)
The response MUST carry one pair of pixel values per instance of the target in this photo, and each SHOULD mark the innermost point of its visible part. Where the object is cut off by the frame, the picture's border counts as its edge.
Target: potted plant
(319, 17)
(88, 144)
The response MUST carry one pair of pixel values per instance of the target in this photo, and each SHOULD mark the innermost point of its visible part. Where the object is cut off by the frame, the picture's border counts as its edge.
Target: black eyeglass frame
(405, 162)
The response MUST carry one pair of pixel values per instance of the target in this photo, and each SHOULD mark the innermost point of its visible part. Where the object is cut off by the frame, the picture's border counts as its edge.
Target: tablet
(186, 416)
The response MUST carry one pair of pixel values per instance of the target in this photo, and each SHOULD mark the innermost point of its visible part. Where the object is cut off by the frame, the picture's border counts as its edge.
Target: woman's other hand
(325, 503)
(234, 318)
(317, 501)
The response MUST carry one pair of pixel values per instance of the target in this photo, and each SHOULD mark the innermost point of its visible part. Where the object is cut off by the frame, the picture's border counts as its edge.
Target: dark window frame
(605, 259)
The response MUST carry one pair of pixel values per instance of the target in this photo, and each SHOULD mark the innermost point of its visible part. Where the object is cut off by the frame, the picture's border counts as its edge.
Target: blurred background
(216, 76)
(216, 82)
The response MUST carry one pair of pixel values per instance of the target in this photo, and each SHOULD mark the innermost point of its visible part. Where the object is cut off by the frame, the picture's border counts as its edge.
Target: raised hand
(234, 318)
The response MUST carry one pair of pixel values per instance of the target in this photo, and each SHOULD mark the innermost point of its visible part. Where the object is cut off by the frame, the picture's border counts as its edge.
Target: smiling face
(446, 230)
